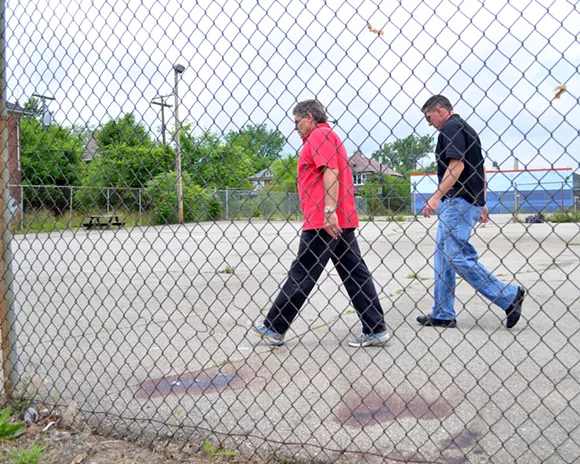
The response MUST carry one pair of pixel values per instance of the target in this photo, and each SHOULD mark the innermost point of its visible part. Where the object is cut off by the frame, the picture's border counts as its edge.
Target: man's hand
(484, 215)
(431, 206)
(331, 225)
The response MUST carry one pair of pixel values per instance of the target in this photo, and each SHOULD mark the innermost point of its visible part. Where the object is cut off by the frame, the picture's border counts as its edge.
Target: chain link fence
(151, 215)
(48, 207)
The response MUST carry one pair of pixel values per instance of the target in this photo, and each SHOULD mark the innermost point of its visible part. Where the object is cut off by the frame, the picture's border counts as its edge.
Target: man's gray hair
(435, 101)
(314, 107)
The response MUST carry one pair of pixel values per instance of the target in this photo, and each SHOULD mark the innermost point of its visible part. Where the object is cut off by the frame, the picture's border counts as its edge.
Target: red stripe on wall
(510, 170)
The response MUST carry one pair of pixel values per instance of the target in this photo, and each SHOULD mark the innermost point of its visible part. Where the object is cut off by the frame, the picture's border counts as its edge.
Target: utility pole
(163, 105)
(178, 69)
(46, 115)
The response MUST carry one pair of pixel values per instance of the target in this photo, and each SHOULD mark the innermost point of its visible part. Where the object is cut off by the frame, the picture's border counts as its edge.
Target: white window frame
(359, 178)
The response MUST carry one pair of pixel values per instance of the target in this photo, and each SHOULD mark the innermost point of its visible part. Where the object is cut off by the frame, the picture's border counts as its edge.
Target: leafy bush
(385, 194)
(565, 216)
(49, 156)
(9, 431)
(118, 169)
(30, 455)
(214, 209)
(198, 203)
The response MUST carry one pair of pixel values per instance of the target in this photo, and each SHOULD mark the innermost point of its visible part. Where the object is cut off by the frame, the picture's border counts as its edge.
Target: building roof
(264, 174)
(359, 163)
(14, 108)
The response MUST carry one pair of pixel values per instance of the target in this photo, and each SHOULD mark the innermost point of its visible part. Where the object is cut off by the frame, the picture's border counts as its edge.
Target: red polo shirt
(323, 148)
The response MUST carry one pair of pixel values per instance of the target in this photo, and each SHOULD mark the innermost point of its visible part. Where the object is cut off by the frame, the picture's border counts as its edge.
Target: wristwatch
(329, 210)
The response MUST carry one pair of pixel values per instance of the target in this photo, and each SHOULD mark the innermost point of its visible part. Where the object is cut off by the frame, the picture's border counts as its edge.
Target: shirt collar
(318, 126)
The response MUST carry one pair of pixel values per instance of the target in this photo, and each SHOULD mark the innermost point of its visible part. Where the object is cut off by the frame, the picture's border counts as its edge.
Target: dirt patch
(73, 446)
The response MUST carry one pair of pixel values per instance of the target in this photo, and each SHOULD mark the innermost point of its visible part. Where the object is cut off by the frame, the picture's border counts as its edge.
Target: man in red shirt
(325, 187)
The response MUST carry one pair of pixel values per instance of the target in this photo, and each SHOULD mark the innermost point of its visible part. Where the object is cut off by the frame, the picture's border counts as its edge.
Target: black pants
(316, 248)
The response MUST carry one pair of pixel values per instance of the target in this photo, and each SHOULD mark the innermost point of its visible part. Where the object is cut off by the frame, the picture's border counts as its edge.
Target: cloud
(250, 62)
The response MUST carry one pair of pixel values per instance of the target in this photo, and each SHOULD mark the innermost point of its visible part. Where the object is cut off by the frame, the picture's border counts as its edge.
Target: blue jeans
(455, 255)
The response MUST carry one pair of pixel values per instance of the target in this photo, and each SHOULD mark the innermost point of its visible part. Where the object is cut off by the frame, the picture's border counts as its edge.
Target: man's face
(437, 117)
(304, 124)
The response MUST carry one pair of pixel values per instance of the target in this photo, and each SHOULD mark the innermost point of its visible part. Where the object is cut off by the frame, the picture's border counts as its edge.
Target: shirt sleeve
(323, 150)
(453, 142)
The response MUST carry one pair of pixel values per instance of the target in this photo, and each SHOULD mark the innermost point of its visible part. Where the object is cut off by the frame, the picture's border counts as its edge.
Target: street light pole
(178, 68)
(163, 105)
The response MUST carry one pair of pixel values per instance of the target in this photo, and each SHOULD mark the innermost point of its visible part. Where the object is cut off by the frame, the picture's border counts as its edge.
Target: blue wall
(537, 191)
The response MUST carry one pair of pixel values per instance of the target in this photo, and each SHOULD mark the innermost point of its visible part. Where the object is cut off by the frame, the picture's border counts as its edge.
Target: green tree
(430, 169)
(257, 144)
(128, 167)
(34, 108)
(84, 132)
(124, 131)
(122, 166)
(404, 155)
(387, 194)
(49, 157)
(213, 162)
(285, 172)
(198, 204)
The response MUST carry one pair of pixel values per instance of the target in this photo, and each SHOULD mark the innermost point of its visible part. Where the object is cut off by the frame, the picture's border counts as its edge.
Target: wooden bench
(103, 221)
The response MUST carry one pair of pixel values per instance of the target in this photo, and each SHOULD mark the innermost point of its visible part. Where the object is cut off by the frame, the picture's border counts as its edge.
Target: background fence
(48, 205)
(174, 114)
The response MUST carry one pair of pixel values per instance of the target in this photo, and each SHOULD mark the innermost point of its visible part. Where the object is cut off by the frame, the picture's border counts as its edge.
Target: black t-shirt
(458, 140)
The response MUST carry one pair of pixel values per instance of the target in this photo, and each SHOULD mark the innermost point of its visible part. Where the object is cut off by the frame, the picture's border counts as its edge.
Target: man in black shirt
(461, 192)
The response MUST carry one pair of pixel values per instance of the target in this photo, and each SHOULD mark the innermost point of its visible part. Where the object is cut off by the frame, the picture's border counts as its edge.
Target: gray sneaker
(364, 340)
(269, 336)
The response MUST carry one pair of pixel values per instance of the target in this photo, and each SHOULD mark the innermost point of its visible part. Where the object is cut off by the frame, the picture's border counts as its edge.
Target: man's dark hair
(435, 101)
(314, 107)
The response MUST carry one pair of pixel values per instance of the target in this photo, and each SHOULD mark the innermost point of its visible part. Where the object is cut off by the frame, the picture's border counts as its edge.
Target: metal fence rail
(173, 123)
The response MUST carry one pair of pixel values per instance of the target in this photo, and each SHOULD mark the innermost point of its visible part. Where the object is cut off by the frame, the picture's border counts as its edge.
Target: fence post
(71, 207)
(227, 205)
(296, 205)
(7, 316)
(516, 207)
(108, 198)
(139, 207)
(21, 206)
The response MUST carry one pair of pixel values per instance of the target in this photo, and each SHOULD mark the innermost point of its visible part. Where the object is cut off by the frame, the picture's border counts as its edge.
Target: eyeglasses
(427, 117)
(296, 122)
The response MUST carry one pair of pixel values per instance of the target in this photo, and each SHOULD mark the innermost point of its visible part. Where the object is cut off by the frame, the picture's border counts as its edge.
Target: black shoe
(429, 321)
(515, 310)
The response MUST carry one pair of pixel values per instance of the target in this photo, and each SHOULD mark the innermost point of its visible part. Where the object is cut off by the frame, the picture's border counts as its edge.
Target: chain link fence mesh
(141, 241)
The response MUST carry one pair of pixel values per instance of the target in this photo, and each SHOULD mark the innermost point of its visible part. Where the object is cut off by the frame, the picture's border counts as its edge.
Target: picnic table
(103, 221)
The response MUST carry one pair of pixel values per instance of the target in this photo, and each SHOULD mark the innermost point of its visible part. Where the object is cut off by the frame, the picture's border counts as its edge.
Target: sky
(250, 62)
